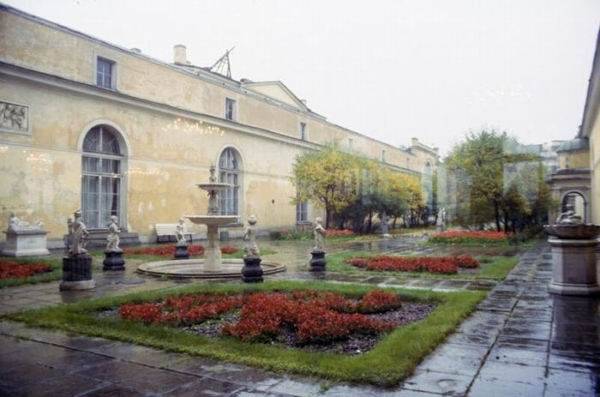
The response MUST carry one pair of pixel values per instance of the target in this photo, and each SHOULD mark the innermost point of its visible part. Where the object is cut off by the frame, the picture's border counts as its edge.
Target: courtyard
(518, 340)
(178, 221)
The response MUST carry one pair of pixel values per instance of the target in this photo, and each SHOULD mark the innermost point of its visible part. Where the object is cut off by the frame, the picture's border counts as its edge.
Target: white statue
(568, 217)
(319, 233)
(441, 220)
(180, 232)
(15, 224)
(112, 239)
(77, 235)
(251, 248)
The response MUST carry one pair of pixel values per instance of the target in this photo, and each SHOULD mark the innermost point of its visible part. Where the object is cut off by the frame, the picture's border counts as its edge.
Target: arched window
(102, 176)
(230, 172)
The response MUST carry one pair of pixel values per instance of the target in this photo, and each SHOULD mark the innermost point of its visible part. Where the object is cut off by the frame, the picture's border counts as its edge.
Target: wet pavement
(520, 341)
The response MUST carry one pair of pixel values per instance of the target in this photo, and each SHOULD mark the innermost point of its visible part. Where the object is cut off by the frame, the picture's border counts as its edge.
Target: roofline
(590, 112)
(210, 77)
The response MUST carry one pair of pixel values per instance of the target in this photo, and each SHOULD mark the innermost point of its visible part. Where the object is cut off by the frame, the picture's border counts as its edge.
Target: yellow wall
(595, 168)
(574, 159)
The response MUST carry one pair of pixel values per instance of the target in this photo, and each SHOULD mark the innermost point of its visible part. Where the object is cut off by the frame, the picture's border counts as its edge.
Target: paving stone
(112, 391)
(69, 385)
(437, 382)
(482, 388)
(455, 359)
(507, 354)
(205, 387)
(493, 371)
(298, 388)
(573, 382)
(138, 377)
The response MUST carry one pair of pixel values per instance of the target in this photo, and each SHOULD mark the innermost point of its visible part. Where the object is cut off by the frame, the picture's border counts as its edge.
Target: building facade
(91, 125)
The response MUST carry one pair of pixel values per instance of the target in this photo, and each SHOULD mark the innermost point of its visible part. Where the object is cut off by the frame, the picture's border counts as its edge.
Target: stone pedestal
(574, 267)
(317, 262)
(252, 272)
(113, 260)
(77, 273)
(212, 253)
(25, 243)
(181, 251)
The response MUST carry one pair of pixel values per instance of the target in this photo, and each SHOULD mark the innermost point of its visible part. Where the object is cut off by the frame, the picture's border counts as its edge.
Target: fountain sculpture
(212, 266)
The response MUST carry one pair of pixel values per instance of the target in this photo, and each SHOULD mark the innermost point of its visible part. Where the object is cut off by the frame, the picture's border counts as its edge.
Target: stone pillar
(25, 243)
(318, 261)
(77, 273)
(574, 267)
(212, 254)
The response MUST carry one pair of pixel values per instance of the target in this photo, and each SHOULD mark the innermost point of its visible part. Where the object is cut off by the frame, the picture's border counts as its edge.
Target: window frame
(233, 103)
(113, 72)
(303, 131)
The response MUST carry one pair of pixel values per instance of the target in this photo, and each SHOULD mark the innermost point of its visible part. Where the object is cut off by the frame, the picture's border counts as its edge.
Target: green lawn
(390, 361)
(55, 274)
(495, 267)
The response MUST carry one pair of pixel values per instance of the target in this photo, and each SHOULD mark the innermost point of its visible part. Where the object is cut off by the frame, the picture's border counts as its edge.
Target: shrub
(12, 269)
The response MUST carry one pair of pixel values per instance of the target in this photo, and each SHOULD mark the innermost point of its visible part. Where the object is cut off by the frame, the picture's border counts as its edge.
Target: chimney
(136, 50)
(180, 54)
(415, 141)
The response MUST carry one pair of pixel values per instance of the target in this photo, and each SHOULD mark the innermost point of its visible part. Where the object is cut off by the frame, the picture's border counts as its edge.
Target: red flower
(432, 264)
(164, 250)
(229, 249)
(339, 232)
(12, 269)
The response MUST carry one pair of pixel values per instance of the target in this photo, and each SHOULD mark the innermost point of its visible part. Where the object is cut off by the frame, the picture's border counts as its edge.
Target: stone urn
(574, 247)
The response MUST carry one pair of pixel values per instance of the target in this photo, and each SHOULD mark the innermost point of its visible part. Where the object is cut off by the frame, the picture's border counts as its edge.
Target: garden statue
(24, 238)
(251, 272)
(77, 265)
(568, 217)
(319, 234)
(385, 231)
(78, 235)
(113, 255)
(181, 247)
(112, 240)
(441, 220)
(317, 262)
(251, 248)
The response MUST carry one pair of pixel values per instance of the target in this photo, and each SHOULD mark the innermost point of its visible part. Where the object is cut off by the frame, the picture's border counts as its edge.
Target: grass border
(392, 359)
(55, 274)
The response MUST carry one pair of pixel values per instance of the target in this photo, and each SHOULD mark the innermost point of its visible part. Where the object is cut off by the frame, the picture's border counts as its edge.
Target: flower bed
(169, 250)
(313, 317)
(432, 264)
(10, 269)
(339, 233)
(469, 236)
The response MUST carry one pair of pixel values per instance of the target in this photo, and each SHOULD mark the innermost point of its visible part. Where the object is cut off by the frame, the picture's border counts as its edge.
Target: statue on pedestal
(181, 246)
(441, 220)
(24, 238)
(77, 265)
(251, 272)
(568, 217)
(317, 261)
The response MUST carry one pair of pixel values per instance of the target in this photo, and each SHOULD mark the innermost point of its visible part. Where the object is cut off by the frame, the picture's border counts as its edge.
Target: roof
(592, 100)
(573, 145)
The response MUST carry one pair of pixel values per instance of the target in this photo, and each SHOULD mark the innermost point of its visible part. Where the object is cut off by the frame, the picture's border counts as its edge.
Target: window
(303, 131)
(302, 212)
(383, 156)
(102, 175)
(105, 73)
(229, 172)
(229, 109)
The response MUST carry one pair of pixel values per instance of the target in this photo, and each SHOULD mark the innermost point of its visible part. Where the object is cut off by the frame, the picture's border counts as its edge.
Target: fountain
(213, 266)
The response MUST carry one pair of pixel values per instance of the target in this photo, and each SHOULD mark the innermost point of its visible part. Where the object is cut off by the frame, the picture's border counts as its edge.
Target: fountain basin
(213, 186)
(196, 268)
(573, 232)
(218, 220)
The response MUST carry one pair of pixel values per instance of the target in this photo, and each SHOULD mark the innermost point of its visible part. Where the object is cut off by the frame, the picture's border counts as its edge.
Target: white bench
(168, 230)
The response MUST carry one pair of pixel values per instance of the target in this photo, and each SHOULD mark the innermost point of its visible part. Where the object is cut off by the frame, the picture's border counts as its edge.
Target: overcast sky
(389, 69)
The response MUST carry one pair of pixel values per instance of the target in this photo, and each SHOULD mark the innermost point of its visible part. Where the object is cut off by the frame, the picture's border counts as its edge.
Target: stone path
(520, 341)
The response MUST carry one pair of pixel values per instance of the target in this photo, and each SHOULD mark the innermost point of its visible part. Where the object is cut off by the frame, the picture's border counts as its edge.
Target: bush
(468, 236)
